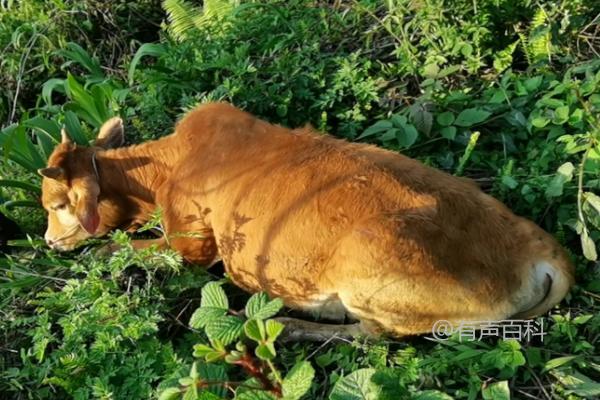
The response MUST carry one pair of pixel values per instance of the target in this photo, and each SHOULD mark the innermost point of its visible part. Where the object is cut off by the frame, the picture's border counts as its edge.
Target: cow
(333, 228)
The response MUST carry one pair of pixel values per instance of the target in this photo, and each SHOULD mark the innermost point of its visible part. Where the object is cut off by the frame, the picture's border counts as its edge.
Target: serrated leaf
(260, 307)
(203, 315)
(298, 381)
(254, 329)
(378, 127)
(213, 373)
(201, 350)
(225, 329)
(445, 119)
(274, 329)
(471, 116)
(265, 351)
(496, 391)
(356, 386)
(213, 295)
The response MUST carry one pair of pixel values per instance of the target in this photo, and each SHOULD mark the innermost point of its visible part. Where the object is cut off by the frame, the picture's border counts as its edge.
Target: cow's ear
(111, 134)
(56, 173)
(86, 207)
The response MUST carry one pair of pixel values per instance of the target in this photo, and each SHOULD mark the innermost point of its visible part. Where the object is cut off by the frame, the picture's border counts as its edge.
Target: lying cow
(336, 228)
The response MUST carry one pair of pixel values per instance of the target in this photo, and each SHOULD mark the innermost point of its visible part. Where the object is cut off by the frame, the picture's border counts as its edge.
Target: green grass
(506, 92)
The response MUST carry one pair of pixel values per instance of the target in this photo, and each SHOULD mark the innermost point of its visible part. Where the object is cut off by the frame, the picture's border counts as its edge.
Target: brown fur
(329, 226)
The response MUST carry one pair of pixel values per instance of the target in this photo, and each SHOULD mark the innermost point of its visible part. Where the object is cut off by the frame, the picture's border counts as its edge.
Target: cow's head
(70, 188)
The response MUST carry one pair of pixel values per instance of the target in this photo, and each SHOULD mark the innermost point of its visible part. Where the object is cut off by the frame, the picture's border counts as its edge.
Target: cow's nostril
(49, 242)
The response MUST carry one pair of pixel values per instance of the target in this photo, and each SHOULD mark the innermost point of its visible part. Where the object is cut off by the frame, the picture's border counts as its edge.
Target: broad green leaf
(550, 102)
(225, 329)
(561, 115)
(147, 49)
(398, 120)
(582, 319)
(274, 329)
(389, 135)
(356, 386)
(297, 382)
(255, 303)
(213, 295)
(254, 329)
(563, 175)
(538, 119)
(378, 127)
(408, 136)
(531, 84)
(260, 307)
(213, 373)
(201, 350)
(445, 119)
(265, 351)
(421, 118)
(471, 116)
(591, 208)
(496, 391)
(576, 117)
(588, 246)
(448, 132)
(172, 393)
(203, 315)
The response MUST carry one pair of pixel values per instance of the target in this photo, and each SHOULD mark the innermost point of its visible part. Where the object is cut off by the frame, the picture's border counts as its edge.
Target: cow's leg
(297, 330)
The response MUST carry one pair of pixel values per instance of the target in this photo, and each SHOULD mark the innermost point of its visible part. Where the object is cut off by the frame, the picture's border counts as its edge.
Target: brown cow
(336, 228)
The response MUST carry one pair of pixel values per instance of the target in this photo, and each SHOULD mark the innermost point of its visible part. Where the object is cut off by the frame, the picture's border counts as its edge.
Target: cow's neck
(131, 176)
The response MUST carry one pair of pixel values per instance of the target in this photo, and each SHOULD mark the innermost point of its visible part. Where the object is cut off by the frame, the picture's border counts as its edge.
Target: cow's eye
(60, 207)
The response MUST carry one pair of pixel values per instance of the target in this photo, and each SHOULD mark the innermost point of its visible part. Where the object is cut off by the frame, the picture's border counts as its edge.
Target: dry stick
(24, 58)
(539, 382)
(527, 394)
